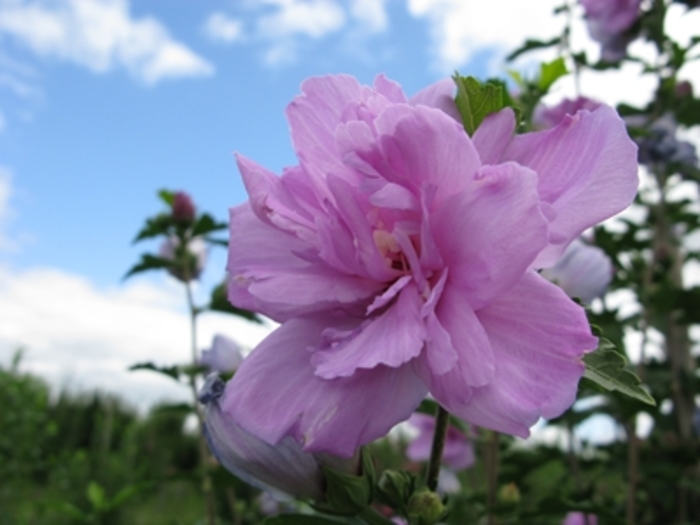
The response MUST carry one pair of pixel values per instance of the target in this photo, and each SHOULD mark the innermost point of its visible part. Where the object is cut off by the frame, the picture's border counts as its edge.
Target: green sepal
(426, 508)
(167, 196)
(606, 367)
(149, 262)
(396, 488)
(550, 72)
(476, 100)
(349, 494)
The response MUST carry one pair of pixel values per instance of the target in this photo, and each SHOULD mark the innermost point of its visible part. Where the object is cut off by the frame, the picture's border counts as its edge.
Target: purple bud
(283, 468)
(583, 271)
(183, 207)
(223, 356)
(684, 89)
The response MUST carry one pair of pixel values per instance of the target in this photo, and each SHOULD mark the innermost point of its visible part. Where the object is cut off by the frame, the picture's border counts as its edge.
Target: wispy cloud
(100, 35)
(223, 28)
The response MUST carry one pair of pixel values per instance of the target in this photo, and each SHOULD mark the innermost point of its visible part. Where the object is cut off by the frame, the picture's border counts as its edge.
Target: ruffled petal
(587, 168)
(276, 393)
(440, 95)
(269, 272)
(538, 336)
(493, 135)
(489, 234)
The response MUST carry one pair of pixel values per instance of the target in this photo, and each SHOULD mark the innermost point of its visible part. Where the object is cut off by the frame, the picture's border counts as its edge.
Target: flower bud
(509, 494)
(183, 207)
(427, 506)
(283, 469)
(189, 263)
(223, 356)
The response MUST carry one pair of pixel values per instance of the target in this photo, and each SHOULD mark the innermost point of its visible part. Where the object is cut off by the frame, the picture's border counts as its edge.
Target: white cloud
(100, 35)
(79, 336)
(459, 29)
(223, 28)
(7, 244)
(370, 14)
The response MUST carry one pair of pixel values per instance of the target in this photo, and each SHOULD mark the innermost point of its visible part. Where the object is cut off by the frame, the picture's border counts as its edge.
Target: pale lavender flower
(223, 356)
(579, 518)
(283, 469)
(584, 271)
(400, 256)
(608, 24)
(546, 117)
(458, 453)
(197, 250)
(663, 146)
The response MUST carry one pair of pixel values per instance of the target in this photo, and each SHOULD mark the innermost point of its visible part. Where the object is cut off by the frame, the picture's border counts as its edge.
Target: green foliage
(475, 101)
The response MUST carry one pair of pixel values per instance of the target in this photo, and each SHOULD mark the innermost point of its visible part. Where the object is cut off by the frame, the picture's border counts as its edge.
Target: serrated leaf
(206, 224)
(219, 303)
(148, 262)
(170, 371)
(155, 226)
(167, 196)
(475, 101)
(550, 72)
(607, 368)
(531, 44)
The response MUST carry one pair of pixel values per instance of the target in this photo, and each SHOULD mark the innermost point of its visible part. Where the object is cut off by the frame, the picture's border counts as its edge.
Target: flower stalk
(442, 419)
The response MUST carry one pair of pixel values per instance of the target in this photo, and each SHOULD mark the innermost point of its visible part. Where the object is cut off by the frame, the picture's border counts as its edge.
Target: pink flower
(548, 117)
(579, 518)
(400, 257)
(223, 356)
(458, 453)
(283, 469)
(584, 271)
(608, 22)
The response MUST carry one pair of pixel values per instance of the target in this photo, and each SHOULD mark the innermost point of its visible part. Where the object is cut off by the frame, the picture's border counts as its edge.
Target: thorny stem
(442, 419)
(207, 486)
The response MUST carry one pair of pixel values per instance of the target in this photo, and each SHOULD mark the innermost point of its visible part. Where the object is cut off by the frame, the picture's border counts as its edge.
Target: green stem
(207, 485)
(373, 517)
(442, 419)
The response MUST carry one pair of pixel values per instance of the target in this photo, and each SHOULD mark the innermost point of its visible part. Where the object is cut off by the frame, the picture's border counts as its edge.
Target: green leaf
(606, 368)
(149, 262)
(128, 492)
(96, 495)
(206, 224)
(219, 303)
(170, 371)
(167, 196)
(550, 72)
(306, 519)
(530, 44)
(155, 226)
(475, 101)
(347, 493)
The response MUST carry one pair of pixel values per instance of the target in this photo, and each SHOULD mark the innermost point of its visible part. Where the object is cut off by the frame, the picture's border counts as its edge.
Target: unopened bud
(509, 494)
(183, 207)
(426, 506)
(684, 89)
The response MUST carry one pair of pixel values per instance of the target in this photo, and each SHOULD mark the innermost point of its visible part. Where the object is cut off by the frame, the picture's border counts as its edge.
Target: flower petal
(489, 234)
(587, 167)
(538, 336)
(276, 393)
(440, 95)
(493, 135)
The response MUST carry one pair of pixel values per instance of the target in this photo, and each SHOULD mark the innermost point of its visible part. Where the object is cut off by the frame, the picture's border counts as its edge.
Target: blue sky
(103, 102)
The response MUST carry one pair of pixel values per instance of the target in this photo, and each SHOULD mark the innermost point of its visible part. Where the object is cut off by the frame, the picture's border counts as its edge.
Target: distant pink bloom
(579, 518)
(458, 453)
(584, 271)
(183, 207)
(547, 117)
(400, 258)
(223, 356)
(283, 469)
(197, 257)
(608, 22)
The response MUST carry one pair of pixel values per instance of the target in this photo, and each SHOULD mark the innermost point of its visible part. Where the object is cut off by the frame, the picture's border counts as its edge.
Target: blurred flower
(188, 264)
(223, 356)
(183, 207)
(547, 117)
(584, 271)
(458, 453)
(284, 469)
(608, 24)
(661, 145)
(400, 258)
(579, 518)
